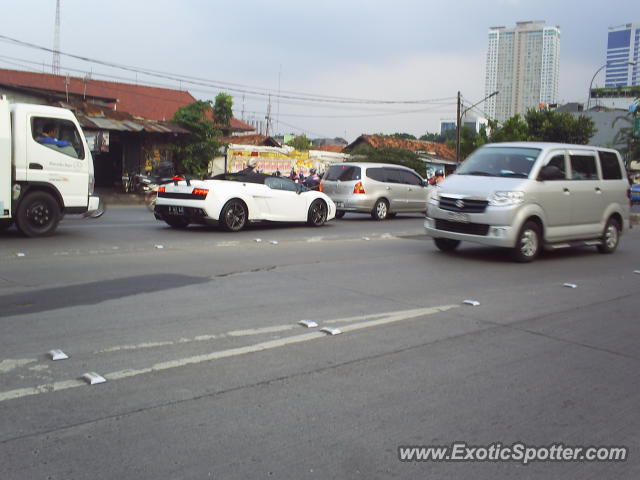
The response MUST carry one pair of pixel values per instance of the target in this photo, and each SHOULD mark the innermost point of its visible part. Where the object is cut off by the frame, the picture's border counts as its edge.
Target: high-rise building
(623, 50)
(523, 64)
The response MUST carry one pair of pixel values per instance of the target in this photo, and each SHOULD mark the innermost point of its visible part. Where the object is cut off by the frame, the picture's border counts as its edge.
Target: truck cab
(46, 168)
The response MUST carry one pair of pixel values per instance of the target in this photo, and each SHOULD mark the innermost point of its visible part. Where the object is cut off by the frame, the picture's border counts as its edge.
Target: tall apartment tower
(523, 64)
(623, 47)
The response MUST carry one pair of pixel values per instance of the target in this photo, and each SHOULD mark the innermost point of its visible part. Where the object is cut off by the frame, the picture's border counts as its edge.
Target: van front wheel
(446, 244)
(610, 237)
(528, 243)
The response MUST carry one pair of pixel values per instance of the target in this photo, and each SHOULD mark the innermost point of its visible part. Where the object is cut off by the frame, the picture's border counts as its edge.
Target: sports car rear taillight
(358, 188)
(200, 192)
(162, 189)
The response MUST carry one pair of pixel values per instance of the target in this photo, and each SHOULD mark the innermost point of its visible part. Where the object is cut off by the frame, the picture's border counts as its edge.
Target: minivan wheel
(528, 243)
(380, 210)
(610, 237)
(446, 244)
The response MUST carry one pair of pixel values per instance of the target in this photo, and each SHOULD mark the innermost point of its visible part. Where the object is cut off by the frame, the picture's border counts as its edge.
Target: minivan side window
(583, 167)
(558, 161)
(378, 174)
(59, 135)
(343, 173)
(610, 166)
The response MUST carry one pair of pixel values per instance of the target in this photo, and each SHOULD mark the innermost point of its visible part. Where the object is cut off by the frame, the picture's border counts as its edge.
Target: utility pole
(458, 121)
(56, 42)
(268, 117)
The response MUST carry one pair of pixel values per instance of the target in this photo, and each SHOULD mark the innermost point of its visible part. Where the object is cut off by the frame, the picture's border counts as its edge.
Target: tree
(223, 109)
(627, 135)
(396, 156)
(544, 126)
(300, 142)
(196, 151)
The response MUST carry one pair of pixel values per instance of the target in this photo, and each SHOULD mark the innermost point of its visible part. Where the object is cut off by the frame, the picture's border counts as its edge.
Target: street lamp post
(460, 114)
(628, 62)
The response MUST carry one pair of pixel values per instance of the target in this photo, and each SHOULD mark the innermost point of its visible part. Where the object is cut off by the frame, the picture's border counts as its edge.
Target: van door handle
(35, 166)
(566, 190)
(598, 191)
(388, 188)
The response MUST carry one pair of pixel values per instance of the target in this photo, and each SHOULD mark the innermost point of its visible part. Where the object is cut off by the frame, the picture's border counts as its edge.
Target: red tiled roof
(330, 148)
(149, 102)
(377, 141)
(252, 139)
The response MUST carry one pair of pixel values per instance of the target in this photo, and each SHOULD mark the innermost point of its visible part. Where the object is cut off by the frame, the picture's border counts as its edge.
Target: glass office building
(623, 48)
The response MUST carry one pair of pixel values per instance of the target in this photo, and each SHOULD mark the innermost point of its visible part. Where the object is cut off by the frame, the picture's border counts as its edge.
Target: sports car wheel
(177, 222)
(380, 210)
(234, 216)
(317, 213)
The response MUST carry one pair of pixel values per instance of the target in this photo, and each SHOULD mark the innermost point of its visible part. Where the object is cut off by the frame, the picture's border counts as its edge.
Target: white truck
(46, 168)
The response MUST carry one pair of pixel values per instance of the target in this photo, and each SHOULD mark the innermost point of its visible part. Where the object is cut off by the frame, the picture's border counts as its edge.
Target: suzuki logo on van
(460, 204)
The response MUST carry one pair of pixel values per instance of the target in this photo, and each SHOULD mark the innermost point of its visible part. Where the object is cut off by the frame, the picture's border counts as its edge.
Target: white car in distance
(231, 201)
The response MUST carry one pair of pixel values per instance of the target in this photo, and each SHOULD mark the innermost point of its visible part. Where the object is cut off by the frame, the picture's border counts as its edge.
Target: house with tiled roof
(435, 155)
(132, 121)
(251, 139)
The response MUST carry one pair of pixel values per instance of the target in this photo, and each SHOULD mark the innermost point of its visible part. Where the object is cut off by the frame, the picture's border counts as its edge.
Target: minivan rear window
(343, 173)
(610, 166)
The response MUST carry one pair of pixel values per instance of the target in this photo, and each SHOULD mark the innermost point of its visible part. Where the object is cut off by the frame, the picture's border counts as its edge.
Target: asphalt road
(210, 376)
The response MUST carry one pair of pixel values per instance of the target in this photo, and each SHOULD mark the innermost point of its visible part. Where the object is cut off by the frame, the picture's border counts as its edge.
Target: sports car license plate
(458, 217)
(176, 210)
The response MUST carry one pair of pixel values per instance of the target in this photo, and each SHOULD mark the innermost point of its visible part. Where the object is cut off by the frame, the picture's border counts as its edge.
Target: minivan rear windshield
(513, 162)
(343, 173)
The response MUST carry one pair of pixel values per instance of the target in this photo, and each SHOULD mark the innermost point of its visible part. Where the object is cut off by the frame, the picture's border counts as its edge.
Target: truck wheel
(38, 214)
(5, 223)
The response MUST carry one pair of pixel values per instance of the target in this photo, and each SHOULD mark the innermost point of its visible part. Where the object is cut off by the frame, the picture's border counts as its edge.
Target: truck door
(56, 155)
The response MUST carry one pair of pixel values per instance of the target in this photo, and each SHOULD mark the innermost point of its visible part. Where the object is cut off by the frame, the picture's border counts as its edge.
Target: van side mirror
(550, 172)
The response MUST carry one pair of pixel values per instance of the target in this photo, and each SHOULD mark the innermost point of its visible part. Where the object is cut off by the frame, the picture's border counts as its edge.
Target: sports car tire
(317, 213)
(177, 222)
(234, 216)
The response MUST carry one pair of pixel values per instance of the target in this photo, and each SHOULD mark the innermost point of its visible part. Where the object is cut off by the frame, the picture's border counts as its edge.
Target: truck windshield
(500, 162)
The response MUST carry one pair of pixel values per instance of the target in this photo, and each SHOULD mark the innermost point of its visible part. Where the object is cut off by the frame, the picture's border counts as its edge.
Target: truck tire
(5, 223)
(38, 214)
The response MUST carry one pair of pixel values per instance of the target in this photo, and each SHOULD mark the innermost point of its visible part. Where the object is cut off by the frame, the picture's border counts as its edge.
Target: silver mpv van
(526, 196)
(380, 189)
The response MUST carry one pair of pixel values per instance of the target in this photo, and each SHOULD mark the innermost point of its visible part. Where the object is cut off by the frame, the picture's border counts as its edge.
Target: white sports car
(233, 200)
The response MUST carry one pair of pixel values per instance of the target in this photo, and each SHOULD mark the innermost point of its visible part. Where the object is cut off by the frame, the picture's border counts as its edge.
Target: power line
(221, 84)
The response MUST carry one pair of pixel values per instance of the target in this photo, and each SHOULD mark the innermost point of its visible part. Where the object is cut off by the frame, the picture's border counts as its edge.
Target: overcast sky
(401, 50)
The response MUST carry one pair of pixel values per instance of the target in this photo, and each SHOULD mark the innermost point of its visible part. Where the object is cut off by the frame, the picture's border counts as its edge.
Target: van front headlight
(433, 196)
(506, 199)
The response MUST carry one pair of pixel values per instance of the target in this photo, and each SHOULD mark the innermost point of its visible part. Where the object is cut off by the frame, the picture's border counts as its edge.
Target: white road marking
(13, 363)
(374, 321)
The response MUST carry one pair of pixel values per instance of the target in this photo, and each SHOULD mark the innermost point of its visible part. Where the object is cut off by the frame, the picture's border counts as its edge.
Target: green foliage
(404, 136)
(544, 126)
(195, 152)
(300, 143)
(626, 135)
(223, 109)
(390, 155)
(439, 137)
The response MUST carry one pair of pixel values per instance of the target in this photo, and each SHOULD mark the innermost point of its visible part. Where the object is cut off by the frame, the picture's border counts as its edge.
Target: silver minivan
(526, 196)
(380, 189)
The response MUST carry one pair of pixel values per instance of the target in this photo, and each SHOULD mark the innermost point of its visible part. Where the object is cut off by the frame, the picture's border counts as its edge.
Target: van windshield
(500, 162)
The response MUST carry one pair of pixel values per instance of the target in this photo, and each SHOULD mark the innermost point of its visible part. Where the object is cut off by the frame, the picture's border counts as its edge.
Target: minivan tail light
(358, 188)
(320, 187)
